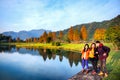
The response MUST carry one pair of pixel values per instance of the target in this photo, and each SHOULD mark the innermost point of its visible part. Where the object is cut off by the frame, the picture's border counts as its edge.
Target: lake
(37, 64)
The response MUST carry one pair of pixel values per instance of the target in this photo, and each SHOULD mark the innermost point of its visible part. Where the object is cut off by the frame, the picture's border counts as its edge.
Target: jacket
(95, 55)
(101, 50)
(85, 55)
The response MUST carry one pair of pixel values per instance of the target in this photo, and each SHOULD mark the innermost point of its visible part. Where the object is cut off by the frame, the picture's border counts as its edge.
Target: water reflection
(37, 63)
(73, 57)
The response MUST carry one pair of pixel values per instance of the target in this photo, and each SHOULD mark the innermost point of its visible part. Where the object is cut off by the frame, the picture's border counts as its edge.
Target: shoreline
(64, 46)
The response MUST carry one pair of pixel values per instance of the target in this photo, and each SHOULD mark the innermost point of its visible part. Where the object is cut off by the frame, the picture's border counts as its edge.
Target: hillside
(25, 34)
(91, 27)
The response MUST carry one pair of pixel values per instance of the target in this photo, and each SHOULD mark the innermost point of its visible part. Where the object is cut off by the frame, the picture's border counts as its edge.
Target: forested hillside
(91, 27)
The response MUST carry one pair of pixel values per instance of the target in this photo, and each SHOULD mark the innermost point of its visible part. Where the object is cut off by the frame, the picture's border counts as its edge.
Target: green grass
(113, 65)
(65, 46)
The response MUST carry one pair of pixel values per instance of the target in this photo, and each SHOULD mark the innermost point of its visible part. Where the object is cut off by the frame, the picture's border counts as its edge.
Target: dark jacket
(96, 54)
(101, 50)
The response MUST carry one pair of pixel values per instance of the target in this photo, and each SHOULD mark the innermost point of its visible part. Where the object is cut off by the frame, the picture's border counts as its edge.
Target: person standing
(93, 57)
(103, 52)
(85, 56)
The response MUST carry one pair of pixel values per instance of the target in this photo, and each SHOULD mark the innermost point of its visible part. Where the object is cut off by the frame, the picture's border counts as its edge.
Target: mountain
(25, 34)
(91, 27)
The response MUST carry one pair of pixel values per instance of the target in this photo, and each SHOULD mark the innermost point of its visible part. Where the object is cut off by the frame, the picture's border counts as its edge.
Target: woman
(93, 56)
(85, 56)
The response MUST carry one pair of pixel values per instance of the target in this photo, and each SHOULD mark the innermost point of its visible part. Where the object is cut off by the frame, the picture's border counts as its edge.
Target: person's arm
(107, 50)
(96, 51)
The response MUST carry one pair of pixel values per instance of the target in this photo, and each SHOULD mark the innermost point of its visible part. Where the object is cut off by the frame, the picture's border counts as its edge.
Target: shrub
(55, 43)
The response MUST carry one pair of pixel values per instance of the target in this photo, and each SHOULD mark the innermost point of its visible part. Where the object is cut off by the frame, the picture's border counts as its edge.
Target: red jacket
(101, 50)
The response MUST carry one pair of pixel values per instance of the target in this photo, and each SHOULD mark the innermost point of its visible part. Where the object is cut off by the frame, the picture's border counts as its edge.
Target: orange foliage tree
(54, 36)
(70, 34)
(50, 36)
(41, 39)
(76, 36)
(35, 40)
(45, 37)
(83, 32)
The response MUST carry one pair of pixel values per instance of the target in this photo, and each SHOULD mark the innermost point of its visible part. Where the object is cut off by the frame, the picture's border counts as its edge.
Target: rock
(83, 76)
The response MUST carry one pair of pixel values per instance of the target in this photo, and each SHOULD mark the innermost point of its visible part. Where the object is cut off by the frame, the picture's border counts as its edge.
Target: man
(103, 54)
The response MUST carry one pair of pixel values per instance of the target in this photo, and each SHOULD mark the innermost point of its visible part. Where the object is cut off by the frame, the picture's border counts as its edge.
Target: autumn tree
(45, 37)
(30, 39)
(54, 36)
(99, 34)
(18, 39)
(49, 37)
(26, 41)
(70, 34)
(83, 33)
(35, 40)
(76, 36)
(41, 39)
(60, 34)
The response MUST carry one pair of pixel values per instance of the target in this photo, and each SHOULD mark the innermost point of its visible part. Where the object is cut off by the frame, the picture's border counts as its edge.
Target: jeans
(103, 65)
(94, 63)
(84, 63)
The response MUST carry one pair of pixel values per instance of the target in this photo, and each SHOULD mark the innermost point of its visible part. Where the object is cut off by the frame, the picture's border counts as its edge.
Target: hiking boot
(101, 73)
(83, 71)
(106, 75)
(93, 72)
(86, 72)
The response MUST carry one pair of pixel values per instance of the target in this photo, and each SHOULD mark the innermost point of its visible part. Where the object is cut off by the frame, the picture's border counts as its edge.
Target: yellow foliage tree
(99, 34)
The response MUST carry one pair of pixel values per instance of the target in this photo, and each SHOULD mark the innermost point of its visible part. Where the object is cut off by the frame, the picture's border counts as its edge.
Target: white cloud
(57, 14)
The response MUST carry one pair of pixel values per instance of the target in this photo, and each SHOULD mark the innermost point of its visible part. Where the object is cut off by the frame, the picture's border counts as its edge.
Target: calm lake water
(37, 64)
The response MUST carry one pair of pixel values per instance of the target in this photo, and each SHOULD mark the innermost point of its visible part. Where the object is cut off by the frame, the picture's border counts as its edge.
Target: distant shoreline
(64, 46)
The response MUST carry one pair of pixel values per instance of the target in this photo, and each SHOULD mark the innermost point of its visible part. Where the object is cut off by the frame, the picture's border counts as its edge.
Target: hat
(101, 45)
(97, 41)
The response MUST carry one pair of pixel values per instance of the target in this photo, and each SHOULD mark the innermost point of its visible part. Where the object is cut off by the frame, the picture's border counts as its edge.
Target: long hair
(91, 46)
(85, 48)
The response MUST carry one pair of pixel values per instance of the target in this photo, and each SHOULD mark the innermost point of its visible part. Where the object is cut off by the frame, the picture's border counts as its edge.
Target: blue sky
(16, 15)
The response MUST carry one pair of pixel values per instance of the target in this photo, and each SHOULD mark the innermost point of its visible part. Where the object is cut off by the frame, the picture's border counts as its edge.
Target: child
(85, 56)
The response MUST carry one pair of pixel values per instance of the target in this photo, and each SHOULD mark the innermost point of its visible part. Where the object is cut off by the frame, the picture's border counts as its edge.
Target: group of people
(97, 53)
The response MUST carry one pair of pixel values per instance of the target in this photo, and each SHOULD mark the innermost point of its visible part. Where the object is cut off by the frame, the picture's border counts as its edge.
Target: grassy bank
(113, 65)
(65, 46)
(71, 47)
(113, 61)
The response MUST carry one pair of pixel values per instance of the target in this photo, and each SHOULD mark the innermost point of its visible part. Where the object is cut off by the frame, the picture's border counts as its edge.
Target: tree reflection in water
(73, 57)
